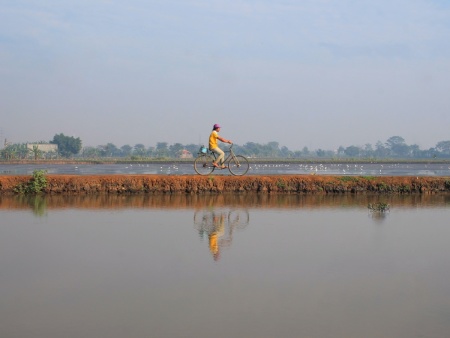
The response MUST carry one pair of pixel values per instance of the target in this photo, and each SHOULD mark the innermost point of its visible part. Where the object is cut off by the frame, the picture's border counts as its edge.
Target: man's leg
(221, 155)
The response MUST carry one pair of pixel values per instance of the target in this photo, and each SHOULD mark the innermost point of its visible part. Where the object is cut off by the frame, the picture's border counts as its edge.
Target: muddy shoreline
(192, 184)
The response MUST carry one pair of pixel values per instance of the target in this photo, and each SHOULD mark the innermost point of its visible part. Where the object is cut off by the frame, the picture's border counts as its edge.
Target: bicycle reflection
(218, 225)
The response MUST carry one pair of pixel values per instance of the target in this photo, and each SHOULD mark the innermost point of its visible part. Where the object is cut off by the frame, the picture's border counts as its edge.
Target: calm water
(390, 169)
(224, 266)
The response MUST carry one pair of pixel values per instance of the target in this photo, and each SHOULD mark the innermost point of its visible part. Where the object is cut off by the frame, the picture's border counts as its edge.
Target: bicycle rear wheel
(203, 165)
(238, 165)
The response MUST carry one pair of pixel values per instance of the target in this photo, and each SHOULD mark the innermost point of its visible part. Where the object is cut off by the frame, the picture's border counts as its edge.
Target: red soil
(189, 184)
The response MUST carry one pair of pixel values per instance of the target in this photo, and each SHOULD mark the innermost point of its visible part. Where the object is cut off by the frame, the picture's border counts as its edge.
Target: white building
(43, 147)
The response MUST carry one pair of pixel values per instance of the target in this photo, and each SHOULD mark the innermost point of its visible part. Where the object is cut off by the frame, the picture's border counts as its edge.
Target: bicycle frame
(231, 154)
(237, 164)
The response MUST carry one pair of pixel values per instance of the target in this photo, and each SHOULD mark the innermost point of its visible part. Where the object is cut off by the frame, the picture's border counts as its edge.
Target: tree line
(68, 146)
(71, 147)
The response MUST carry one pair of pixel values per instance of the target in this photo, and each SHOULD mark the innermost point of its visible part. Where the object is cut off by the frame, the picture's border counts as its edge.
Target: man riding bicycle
(214, 147)
(206, 162)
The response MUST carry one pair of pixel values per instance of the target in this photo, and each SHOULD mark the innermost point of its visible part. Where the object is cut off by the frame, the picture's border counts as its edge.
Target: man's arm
(224, 140)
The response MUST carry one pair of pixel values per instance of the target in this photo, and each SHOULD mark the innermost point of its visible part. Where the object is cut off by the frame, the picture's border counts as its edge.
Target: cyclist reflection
(218, 231)
(218, 226)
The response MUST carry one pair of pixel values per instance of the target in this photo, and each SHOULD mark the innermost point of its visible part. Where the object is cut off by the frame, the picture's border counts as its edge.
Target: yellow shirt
(213, 244)
(213, 140)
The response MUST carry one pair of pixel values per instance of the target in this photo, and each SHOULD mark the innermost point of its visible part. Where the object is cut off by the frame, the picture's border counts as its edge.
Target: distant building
(44, 147)
(186, 154)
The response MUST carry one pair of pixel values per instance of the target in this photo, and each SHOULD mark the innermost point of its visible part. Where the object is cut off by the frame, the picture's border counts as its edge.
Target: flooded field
(286, 168)
(224, 265)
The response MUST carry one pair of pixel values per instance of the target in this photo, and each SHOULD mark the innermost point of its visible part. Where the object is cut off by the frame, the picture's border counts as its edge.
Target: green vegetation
(382, 186)
(35, 185)
(378, 207)
(393, 149)
(404, 188)
(348, 179)
(447, 184)
(36, 152)
(281, 184)
(67, 145)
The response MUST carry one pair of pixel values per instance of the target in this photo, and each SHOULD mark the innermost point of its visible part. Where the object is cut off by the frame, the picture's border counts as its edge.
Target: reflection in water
(218, 225)
(378, 216)
(378, 211)
(37, 203)
(182, 201)
(307, 266)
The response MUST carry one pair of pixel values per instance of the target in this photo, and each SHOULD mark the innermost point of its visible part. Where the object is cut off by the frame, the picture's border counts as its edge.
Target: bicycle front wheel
(203, 165)
(238, 165)
(238, 218)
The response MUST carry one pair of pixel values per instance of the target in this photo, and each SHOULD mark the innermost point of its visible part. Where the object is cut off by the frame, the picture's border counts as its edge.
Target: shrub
(35, 185)
(348, 179)
(378, 207)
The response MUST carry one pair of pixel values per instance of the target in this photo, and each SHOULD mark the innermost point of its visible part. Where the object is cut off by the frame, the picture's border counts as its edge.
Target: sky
(312, 73)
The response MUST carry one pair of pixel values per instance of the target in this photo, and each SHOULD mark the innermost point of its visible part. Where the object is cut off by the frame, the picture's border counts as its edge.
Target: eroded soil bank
(190, 184)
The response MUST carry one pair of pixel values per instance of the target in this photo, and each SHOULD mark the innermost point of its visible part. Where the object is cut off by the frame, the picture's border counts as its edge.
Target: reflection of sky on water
(367, 169)
(295, 266)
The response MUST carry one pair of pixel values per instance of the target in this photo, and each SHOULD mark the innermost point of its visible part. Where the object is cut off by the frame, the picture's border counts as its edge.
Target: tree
(285, 152)
(368, 150)
(192, 148)
(352, 151)
(126, 150)
(415, 150)
(443, 147)
(139, 149)
(111, 150)
(22, 150)
(252, 149)
(161, 149)
(320, 152)
(381, 150)
(398, 146)
(305, 151)
(8, 152)
(394, 141)
(36, 152)
(150, 152)
(271, 149)
(91, 152)
(176, 149)
(67, 145)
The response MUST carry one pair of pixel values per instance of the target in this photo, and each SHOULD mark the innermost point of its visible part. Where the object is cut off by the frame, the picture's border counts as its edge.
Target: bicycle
(237, 164)
(236, 218)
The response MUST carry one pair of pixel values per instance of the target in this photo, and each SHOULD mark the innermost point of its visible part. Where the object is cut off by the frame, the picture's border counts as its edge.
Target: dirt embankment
(285, 184)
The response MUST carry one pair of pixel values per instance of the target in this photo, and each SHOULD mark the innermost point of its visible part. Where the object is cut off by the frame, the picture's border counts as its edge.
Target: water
(366, 169)
(224, 266)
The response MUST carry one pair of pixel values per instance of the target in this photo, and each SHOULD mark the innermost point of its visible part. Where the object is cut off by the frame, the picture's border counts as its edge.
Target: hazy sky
(315, 73)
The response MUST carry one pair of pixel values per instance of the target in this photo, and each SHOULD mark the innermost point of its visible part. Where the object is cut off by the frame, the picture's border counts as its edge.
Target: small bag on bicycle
(203, 150)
